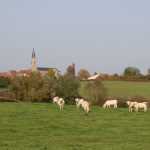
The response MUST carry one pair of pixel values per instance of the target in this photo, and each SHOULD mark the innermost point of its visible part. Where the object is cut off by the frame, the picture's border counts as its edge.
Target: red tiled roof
(24, 72)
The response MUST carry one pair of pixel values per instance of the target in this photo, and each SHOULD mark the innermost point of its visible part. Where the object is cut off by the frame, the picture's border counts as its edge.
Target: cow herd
(108, 103)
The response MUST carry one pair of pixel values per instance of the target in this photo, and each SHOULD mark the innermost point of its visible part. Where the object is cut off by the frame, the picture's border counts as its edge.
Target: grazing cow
(130, 105)
(143, 105)
(78, 102)
(85, 106)
(61, 103)
(55, 100)
(109, 103)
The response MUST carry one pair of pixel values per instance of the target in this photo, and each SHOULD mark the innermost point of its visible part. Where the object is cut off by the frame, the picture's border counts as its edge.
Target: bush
(67, 87)
(122, 100)
(4, 82)
(96, 92)
(138, 98)
(32, 88)
(37, 88)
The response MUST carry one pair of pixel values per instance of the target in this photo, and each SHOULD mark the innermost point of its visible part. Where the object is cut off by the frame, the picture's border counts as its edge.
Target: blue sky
(98, 35)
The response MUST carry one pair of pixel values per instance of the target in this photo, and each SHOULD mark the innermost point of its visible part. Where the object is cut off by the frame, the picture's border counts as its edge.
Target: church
(42, 70)
(33, 68)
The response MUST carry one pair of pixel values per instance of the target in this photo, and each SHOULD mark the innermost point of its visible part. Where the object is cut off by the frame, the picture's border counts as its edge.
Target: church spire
(33, 53)
(33, 62)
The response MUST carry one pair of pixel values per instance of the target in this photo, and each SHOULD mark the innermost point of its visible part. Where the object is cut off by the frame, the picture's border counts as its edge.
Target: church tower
(33, 62)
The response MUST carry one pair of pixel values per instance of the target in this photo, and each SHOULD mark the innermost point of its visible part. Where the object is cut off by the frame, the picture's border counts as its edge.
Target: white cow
(143, 105)
(55, 100)
(109, 103)
(61, 103)
(130, 105)
(78, 102)
(85, 106)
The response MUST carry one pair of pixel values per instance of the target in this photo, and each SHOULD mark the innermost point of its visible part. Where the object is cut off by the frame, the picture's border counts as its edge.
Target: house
(94, 77)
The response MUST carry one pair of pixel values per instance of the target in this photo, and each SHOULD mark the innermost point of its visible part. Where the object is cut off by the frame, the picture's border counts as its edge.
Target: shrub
(138, 98)
(122, 101)
(67, 87)
(32, 88)
(4, 82)
(96, 92)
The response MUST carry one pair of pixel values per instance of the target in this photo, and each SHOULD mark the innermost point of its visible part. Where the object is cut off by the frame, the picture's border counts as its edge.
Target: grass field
(124, 88)
(33, 126)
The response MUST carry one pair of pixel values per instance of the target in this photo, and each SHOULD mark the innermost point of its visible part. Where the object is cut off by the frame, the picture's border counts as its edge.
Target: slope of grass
(124, 88)
(28, 126)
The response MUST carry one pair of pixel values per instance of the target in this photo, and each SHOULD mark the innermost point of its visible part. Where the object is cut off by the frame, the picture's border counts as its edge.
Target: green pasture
(35, 126)
(124, 88)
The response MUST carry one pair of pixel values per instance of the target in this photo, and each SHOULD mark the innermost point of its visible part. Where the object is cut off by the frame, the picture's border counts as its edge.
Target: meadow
(123, 89)
(42, 126)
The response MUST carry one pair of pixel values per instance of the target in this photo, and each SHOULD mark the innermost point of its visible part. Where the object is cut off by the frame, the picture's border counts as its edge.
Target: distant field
(124, 88)
(32, 126)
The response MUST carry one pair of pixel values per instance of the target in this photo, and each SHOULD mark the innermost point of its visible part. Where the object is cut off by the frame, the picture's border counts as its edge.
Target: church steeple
(33, 62)
(33, 54)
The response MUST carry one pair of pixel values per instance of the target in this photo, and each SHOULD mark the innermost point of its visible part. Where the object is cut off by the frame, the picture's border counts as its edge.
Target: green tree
(51, 73)
(148, 74)
(148, 71)
(131, 71)
(68, 88)
(115, 77)
(4, 82)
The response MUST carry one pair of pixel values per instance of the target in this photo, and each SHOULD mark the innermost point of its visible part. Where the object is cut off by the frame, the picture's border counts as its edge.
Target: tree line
(129, 74)
(38, 88)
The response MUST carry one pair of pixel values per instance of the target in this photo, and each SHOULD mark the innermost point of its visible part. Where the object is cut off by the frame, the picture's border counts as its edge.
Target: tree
(148, 74)
(96, 92)
(131, 71)
(51, 73)
(38, 88)
(148, 71)
(68, 88)
(115, 76)
(4, 82)
(32, 88)
(83, 74)
(71, 70)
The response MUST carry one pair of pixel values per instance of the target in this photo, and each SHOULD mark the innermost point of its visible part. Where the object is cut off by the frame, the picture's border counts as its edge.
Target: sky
(103, 36)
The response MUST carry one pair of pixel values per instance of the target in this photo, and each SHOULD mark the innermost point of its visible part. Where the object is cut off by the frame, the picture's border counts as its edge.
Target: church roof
(24, 72)
(45, 68)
